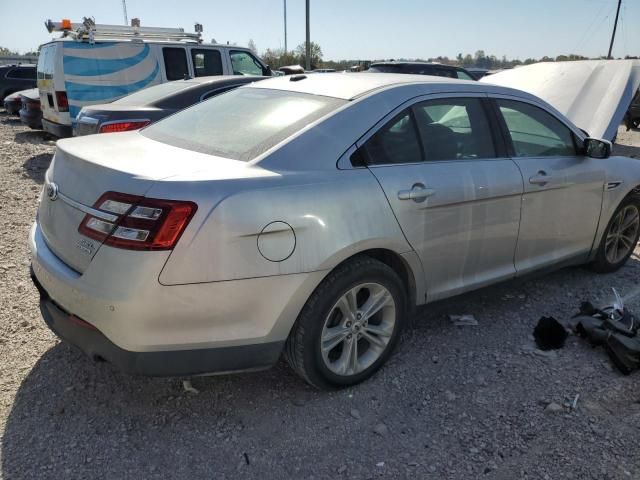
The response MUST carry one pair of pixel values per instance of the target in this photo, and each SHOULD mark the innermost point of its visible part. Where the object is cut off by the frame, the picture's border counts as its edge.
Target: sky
(361, 29)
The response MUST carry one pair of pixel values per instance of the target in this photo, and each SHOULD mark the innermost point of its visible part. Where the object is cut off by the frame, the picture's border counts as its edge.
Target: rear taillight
(123, 126)
(61, 100)
(138, 223)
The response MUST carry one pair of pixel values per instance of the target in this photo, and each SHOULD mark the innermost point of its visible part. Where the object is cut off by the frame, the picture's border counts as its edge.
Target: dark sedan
(421, 68)
(154, 103)
(30, 112)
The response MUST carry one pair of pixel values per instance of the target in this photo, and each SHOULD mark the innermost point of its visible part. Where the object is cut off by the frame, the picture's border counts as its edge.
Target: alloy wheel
(622, 234)
(358, 329)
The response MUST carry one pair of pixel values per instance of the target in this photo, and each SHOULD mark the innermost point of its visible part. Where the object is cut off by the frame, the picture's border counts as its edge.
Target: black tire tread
(294, 347)
(600, 264)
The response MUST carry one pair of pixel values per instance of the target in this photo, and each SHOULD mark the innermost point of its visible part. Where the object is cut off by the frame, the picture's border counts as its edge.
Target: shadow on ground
(33, 136)
(36, 166)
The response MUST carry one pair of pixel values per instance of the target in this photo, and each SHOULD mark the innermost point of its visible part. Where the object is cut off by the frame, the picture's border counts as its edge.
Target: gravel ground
(454, 402)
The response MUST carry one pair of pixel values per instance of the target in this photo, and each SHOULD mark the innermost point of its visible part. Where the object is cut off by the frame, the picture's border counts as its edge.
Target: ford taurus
(306, 215)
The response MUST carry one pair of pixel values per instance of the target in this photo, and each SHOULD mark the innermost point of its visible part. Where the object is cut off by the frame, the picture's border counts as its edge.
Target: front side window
(396, 142)
(534, 132)
(462, 75)
(244, 63)
(454, 129)
(242, 124)
(206, 62)
(175, 63)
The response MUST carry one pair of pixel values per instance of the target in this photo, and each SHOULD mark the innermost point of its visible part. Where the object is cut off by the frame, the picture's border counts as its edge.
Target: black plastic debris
(549, 334)
(613, 327)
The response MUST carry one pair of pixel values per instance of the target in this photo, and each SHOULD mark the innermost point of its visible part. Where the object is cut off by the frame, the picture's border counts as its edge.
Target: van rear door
(50, 80)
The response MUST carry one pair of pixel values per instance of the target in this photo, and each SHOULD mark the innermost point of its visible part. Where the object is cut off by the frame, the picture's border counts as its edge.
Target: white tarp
(593, 94)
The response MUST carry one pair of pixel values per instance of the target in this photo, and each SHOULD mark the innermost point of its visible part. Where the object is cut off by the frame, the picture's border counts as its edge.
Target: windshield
(154, 93)
(243, 123)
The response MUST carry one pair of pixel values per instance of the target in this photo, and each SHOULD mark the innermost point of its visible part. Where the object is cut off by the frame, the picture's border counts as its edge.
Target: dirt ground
(453, 402)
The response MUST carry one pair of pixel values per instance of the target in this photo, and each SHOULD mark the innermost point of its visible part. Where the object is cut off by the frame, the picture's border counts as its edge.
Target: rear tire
(349, 326)
(620, 237)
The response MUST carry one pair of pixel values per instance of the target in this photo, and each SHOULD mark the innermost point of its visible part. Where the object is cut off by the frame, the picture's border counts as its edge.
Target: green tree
(316, 54)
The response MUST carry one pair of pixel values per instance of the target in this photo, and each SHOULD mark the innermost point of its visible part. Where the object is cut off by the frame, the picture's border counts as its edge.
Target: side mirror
(597, 148)
(267, 72)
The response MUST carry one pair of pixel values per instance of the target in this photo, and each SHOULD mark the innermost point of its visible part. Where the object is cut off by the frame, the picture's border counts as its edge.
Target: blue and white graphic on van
(104, 72)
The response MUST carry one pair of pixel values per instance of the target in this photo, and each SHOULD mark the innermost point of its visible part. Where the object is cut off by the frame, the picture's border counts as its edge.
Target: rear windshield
(415, 69)
(153, 94)
(243, 123)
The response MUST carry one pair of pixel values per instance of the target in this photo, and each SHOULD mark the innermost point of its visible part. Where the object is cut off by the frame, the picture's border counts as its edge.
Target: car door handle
(418, 192)
(541, 178)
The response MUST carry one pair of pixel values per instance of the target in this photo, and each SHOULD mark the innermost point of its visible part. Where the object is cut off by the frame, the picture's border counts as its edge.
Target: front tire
(349, 326)
(620, 238)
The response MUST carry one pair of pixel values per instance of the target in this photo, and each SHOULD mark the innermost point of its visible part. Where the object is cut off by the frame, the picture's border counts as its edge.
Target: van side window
(206, 62)
(175, 63)
(244, 63)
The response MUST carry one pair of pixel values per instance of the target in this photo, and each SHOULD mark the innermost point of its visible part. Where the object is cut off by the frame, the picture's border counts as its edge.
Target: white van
(91, 64)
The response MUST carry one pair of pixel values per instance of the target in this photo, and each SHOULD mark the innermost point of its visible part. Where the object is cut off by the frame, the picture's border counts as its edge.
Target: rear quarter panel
(325, 217)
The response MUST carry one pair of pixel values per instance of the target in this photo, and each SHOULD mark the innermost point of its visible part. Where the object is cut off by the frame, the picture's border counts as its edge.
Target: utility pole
(615, 26)
(124, 10)
(308, 55)
(285, 27)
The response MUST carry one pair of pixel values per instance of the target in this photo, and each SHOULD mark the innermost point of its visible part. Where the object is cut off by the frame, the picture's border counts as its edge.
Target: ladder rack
(91, 31)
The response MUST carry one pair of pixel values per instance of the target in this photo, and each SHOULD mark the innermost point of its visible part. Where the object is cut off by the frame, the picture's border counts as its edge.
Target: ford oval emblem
(52, 191)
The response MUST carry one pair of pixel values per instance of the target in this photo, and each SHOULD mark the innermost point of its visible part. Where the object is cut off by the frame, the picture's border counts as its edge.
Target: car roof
(434, 64)
(349, 86)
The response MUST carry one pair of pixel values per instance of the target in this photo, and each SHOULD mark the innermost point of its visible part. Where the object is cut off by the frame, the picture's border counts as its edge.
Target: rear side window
(206, 62)
(534, 132)
(454, 129)
(396, 142)
(463, 75)
(22, 73)
(175, 63)
(244, 63)
(243, 123)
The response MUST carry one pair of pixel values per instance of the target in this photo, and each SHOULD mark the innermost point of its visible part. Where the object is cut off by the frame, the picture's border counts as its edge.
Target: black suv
(14, 78)
(421, 68)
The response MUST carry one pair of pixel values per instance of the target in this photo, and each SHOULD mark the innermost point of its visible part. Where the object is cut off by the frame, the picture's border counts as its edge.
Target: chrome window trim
(409, 103)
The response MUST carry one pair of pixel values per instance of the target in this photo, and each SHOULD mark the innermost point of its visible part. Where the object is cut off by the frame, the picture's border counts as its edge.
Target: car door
(563, 189)
(456, 198)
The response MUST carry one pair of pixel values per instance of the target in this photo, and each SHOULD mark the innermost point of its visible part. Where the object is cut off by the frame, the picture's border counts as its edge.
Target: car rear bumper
(141, 326)
(163, 363)
(57, 129)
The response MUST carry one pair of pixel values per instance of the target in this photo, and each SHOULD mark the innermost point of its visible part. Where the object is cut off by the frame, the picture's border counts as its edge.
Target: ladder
(91, 31)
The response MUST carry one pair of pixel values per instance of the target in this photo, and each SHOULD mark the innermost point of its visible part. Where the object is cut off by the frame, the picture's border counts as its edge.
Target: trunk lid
(593, 94)
(85, 168)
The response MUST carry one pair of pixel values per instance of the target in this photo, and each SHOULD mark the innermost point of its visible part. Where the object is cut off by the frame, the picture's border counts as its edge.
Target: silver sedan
(307, 215)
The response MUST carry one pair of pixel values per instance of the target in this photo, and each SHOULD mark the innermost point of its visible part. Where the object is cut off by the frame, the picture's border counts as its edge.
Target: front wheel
(620, 238)
(349, 326)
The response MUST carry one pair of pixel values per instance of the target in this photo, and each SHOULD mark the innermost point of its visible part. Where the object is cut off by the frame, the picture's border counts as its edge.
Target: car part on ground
(231, 216)
(30, 111)
(154, 103)
(593, 94)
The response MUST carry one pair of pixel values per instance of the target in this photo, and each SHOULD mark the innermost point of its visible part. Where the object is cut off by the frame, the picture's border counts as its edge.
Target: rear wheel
(349, 326)
(620, 238)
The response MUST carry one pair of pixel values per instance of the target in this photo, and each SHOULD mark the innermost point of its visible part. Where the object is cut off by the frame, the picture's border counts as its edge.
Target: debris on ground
(549, 334)
(613, 327)
(186, 385)
(463, 320)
